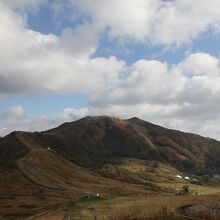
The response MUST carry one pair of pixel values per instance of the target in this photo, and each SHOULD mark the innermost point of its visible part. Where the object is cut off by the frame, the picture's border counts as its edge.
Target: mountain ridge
(112, 117)
(102, 139)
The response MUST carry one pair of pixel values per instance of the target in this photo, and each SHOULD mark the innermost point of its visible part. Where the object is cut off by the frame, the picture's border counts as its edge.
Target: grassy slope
(35, 180)
(85, 209)
(100, 140)
(45, 180)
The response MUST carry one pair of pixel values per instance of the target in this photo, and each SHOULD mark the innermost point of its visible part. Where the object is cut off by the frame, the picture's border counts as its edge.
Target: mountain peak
(98, 139)
(134, 119)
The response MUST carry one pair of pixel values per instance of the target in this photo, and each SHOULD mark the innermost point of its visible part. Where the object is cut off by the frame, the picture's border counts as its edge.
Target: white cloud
(156, 21)
(31, 61)
(132, 19)
(16, 119)
(201, 64)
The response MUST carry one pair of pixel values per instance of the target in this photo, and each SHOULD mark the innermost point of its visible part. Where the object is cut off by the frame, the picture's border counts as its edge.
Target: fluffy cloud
(201, 64)
(132, 19)
(190, 81)
(31, 61)
(157, 21)
(17, 119)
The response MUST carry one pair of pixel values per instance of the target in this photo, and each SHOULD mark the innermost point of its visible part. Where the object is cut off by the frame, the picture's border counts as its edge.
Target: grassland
(137, 188)
(112, 208)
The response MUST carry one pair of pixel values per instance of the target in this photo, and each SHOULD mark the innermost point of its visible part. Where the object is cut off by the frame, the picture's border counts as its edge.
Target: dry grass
(136, 213)
(137, 206)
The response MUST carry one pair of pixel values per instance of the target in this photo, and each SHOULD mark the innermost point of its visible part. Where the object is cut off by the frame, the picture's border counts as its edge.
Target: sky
(153, 59)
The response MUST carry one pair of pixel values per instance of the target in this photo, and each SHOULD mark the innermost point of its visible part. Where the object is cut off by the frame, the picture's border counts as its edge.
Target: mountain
(100, 140)
(94, 141)
(45, 170)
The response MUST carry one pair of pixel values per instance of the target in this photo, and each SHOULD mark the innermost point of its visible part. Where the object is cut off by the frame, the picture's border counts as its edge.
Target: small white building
(186, 178)
(178, 176)
(96, 195)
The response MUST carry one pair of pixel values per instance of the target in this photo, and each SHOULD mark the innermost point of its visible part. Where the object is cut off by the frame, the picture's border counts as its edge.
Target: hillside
(100, 140)
(103, 139)
(43, 180)
(46, 170)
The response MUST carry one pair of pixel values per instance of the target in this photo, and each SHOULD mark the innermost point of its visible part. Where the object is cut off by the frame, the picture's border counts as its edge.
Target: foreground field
(49, 187)
(112, 208)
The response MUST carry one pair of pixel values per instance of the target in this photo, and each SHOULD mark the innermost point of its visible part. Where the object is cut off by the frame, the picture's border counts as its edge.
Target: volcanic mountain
(93, 141)
(86, 154)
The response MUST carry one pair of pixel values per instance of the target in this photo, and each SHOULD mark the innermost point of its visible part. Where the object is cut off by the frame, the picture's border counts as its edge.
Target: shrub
(185, 189)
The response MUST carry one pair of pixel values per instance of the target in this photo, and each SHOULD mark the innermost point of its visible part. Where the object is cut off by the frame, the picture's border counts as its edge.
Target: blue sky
(158, 60)
(44, 104)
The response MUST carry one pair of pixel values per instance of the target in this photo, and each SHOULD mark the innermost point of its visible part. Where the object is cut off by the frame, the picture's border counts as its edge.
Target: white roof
(178, 176)
(187, 178)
